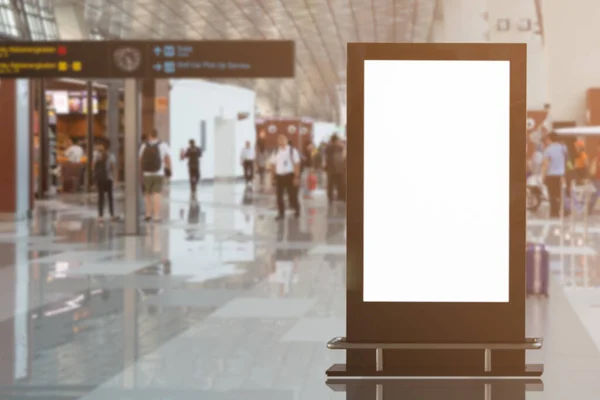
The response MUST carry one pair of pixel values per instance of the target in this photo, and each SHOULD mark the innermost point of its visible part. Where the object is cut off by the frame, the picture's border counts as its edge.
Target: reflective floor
(221, 302)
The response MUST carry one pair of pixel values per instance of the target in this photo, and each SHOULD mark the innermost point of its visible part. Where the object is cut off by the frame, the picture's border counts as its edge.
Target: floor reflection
(220, 301)
(443, 389)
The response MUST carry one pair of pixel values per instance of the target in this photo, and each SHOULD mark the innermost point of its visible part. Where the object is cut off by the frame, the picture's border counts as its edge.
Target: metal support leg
(487, 394)
(379, 392)
(131, 149)
(89, 137)
(379, 359)
(488, 360)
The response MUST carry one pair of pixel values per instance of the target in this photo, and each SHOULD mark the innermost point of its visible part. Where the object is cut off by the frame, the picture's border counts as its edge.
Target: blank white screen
(436, 181)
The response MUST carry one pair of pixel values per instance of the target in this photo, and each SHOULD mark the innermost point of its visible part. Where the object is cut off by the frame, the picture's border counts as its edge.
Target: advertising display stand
(435, 277)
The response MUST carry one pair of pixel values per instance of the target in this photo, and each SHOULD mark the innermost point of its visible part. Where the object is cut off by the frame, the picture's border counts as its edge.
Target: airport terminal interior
(213, 296)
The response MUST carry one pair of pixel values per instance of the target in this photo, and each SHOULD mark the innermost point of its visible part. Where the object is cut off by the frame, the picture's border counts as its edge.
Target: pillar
(515, 21)
(155, 107)
(148, 90)
(15, 151)
(162, 90)
(131, 144)
(112, 119)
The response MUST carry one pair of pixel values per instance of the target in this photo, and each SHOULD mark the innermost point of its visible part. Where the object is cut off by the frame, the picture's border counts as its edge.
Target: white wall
(194, 100)
(572, 33)
(464, 21)
(537, 72)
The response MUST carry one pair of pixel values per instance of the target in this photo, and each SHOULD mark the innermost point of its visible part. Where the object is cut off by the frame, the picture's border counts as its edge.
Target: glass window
(7, 18)
(51, 29)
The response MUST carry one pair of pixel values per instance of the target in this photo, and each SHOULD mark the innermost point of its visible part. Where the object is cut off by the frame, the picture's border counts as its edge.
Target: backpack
(151, 161)
(101, 170)
(338, 162)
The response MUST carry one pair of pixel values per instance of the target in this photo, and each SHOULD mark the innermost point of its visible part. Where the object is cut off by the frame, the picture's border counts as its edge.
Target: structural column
(148, 90)
(162, 90)
(112, 120)
(132, 145)
(15, 152)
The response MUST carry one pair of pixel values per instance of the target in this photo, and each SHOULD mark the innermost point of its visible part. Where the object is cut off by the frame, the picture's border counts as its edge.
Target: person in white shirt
(287, 176)
(74, 153)
(247, 158)
(155, 164)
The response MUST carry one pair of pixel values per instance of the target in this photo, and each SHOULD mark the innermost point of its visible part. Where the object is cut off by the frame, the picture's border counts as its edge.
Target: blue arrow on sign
(157, 50)
(157, 67)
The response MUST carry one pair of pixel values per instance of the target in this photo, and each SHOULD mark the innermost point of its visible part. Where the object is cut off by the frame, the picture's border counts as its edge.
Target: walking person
(193, 154)
(105, 172)
(553, 173)
(595, 176)
(143, 141)
(248, 157)
(335, 165)
(307, 169)
(262, 159)
(287, 176)
(155, 164)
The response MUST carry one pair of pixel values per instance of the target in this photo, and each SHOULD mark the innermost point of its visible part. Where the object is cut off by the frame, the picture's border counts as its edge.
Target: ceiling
(320, 28)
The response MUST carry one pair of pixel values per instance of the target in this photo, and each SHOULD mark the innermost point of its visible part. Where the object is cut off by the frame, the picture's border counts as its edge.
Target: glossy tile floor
(221, 302)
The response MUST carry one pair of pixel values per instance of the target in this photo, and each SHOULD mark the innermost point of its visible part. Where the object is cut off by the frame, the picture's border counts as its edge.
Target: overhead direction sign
(147, 59)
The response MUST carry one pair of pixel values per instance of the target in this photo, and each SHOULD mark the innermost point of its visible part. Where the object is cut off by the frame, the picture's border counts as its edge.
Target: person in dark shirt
(307, 168)
(335, 166)
(193, 154)
(595, 176)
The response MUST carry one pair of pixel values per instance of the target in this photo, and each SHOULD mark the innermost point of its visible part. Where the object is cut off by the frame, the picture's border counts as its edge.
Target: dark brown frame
(435, 322)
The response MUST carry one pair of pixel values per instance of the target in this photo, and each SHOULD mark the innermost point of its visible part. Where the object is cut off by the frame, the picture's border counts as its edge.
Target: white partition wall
(193, 101)
(226, 149)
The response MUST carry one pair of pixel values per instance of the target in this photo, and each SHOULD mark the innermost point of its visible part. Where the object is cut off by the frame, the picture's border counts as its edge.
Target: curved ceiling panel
(320, 29)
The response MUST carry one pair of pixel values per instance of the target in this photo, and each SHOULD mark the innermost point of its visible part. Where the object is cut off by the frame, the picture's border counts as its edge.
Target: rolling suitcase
(538, 270)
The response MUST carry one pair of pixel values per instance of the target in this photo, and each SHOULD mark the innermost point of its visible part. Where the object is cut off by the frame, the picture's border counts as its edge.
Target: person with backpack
(105, 171)
(262, 160)
(554, 168)
(193, 154)
(155, 164)
(287, 176)
(335, 166)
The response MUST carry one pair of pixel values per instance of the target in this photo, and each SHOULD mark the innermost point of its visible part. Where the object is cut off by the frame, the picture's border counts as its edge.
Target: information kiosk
(436, 212)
